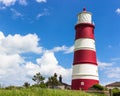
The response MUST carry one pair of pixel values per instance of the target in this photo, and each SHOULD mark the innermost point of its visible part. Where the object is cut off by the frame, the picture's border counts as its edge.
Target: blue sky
(38, 36)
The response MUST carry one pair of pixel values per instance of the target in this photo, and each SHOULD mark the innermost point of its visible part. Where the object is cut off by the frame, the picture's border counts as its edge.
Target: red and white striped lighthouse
(85, 67)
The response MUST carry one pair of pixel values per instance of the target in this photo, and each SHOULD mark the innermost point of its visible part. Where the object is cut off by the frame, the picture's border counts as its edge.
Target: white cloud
(8, 2)
(108, 72)
(103, 65)
(10, 61)
(1, 35)
(45, 13)
(19, 44)
(59, 48)
(39, 15)
(10, 67)
(118, 11)
(31, 69)
(16, 14)
(113, 72)
(49, 65)
(69, 50)
(39, 1)
(22, 2)
(12, 2)
(115, 59)
(15, 67)
(64, 48)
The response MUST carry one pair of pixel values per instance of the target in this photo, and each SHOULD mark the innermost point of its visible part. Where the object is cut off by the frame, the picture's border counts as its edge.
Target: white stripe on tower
(85, 71)
(84, 43)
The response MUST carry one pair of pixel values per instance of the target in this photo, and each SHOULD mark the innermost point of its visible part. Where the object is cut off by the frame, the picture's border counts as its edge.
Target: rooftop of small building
(115, 84)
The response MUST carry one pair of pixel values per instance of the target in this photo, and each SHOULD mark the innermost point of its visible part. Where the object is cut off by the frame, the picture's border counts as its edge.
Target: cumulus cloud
(49, 65)
(10, 67)
(18, 69)
(19, 44)
(118, 11)
(10, 61)
(21, 2)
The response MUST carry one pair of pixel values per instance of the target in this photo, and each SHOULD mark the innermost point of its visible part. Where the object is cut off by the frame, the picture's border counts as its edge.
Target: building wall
(112, 87)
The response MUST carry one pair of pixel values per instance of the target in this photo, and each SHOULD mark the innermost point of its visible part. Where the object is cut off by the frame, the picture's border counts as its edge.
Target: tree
(38, 78)
(26, 84)
(52, 81)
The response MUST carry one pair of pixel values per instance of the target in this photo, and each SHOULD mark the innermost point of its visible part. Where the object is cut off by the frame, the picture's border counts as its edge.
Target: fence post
(110, 92)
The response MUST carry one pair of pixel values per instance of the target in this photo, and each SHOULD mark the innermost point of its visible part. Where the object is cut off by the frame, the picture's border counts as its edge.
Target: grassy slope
(42, 92)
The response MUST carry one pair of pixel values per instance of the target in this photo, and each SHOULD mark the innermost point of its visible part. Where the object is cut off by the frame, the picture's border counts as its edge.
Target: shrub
(98, 87)
(41, 85)
(10, 87)
(116, 92)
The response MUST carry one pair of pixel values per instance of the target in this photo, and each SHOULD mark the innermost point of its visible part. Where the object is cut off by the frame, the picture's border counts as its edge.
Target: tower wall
(85, 67)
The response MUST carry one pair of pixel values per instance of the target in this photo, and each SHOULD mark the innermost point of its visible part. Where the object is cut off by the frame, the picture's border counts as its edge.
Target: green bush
(41, 85)
(116, 92)
(12, 87)
(98, 87)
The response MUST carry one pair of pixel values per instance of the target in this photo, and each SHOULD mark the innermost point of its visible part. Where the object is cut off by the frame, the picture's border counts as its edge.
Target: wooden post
(110, 92)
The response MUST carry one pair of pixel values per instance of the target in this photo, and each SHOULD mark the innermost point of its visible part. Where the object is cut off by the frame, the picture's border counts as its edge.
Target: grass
(43, 92)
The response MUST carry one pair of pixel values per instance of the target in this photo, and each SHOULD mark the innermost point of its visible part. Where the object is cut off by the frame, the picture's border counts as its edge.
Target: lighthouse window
(82, 83)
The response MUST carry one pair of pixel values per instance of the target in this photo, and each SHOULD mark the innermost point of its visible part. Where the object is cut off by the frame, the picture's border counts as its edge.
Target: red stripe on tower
(84, 30)
(85, 56)
(85, 68)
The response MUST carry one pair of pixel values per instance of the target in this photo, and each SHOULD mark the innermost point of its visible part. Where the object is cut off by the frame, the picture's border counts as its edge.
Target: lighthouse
(85, 67)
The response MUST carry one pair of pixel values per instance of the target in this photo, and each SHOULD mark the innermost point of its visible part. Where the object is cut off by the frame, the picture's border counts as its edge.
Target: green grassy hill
(43, 92)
